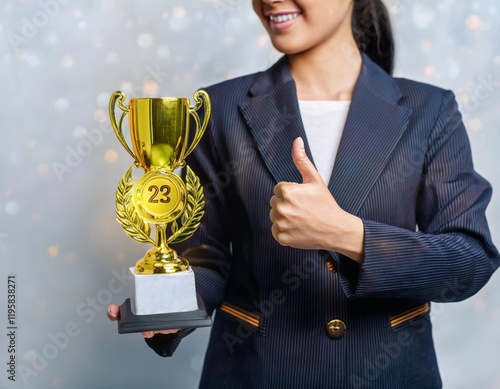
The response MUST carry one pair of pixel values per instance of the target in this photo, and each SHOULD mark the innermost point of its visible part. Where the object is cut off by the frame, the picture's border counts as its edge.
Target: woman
(375, 210)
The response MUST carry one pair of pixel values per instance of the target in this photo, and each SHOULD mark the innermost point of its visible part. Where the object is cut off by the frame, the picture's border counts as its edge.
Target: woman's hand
(113, 313)
(306, 216)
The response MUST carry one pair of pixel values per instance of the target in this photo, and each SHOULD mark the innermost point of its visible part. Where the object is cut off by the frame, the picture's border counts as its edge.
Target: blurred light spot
(67, 61)
(56, 382)
(111, 156)
(112, 57)
(29, 355)
(12, 208)
(31, 143)
(178, 22)
(82, 25)
(395, 7)
(103, 99)
(497, 60)
(126, 87)
(16, 158)
(98, 44)
(100, 115)
(232, 25)
(164, 15)
(38, 363)
(35, 217)
(163, 52)
(120, 256)
(474, 23)
(42, 169)
(31, 59)
(475, 125)
(151, 87)
(78, 132)
(77, 13)
(179, 11)
(53, 251)
(423, 17)
(61, 104)
(50, 38)
(430, 70)
(262, 40)
(228, 41)
(479, 305)
(144, 40)
(453, 70)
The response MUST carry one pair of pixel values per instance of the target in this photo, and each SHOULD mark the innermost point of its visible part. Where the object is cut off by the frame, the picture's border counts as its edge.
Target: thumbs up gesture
(306, 216)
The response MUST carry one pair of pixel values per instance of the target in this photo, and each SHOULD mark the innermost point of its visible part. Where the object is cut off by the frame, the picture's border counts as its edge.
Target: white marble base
(162, 293)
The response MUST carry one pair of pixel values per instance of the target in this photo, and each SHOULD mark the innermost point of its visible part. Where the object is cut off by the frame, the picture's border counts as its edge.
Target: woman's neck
(326, 76)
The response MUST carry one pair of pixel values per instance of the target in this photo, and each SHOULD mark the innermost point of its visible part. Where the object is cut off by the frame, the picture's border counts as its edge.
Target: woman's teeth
(283, 18)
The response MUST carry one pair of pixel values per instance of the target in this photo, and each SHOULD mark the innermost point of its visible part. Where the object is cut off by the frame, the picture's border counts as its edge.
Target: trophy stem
(161, 259)
(161, 238)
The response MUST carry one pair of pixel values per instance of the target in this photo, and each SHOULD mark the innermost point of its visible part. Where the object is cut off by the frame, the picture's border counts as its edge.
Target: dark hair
(371, 26)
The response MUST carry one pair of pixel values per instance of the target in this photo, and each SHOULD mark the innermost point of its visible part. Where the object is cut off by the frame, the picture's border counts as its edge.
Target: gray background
(60, 166)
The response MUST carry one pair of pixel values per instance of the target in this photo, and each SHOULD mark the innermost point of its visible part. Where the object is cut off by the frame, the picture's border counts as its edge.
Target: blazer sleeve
(451, 256)
(208, 250)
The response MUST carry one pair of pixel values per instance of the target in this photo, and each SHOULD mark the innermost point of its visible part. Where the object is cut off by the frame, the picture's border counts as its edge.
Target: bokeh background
(60, 165)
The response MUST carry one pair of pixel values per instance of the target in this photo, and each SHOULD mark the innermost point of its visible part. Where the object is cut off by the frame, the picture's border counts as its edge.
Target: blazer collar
(374, 126)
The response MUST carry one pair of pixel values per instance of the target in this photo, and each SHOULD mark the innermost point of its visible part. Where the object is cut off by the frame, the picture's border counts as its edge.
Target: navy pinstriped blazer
(404, 166)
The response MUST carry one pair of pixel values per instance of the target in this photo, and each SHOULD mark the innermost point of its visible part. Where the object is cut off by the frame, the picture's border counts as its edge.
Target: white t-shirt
(324, 123)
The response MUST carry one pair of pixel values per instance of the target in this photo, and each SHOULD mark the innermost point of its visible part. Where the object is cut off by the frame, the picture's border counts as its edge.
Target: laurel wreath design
(135, 227)
(191, 217)
(126, 215)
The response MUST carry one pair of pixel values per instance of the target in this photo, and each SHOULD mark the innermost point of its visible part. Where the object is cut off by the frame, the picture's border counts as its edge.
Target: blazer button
(336, 329)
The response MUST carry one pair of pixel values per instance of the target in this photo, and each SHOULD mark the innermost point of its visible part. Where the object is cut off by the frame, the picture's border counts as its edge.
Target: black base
(129, 323)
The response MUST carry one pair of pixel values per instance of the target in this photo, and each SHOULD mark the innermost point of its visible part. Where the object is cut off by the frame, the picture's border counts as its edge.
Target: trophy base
(130, 323)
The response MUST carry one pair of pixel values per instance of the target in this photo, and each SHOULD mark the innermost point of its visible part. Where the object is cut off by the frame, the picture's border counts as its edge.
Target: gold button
(336, 329)
(331, 266)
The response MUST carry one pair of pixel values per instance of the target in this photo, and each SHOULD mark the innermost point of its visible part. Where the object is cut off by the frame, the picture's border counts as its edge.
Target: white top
(324, 123)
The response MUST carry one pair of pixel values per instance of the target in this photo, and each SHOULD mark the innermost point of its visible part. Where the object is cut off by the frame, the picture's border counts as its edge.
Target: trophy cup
(163, 293)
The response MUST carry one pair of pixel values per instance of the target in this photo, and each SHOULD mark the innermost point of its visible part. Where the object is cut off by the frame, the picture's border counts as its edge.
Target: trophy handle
(119, 97)
(201, 97)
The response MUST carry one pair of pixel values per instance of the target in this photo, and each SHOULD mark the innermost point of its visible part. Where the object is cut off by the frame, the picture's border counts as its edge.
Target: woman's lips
(283, 20)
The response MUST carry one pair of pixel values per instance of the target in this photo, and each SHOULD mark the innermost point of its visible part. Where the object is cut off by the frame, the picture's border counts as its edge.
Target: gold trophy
(163, 293)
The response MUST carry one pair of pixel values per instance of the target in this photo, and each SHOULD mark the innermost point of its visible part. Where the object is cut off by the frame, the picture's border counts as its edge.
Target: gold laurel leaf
(191, 218)
(174, 226)
(126, 214)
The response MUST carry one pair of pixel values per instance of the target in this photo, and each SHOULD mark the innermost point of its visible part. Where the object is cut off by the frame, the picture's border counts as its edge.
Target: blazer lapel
(374, 126)
(273, 116)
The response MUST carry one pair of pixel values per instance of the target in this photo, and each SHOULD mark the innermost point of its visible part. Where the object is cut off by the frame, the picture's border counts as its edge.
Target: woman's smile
(282, 20)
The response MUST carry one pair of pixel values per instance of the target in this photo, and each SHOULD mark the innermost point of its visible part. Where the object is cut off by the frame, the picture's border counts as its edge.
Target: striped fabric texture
(404, 166)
